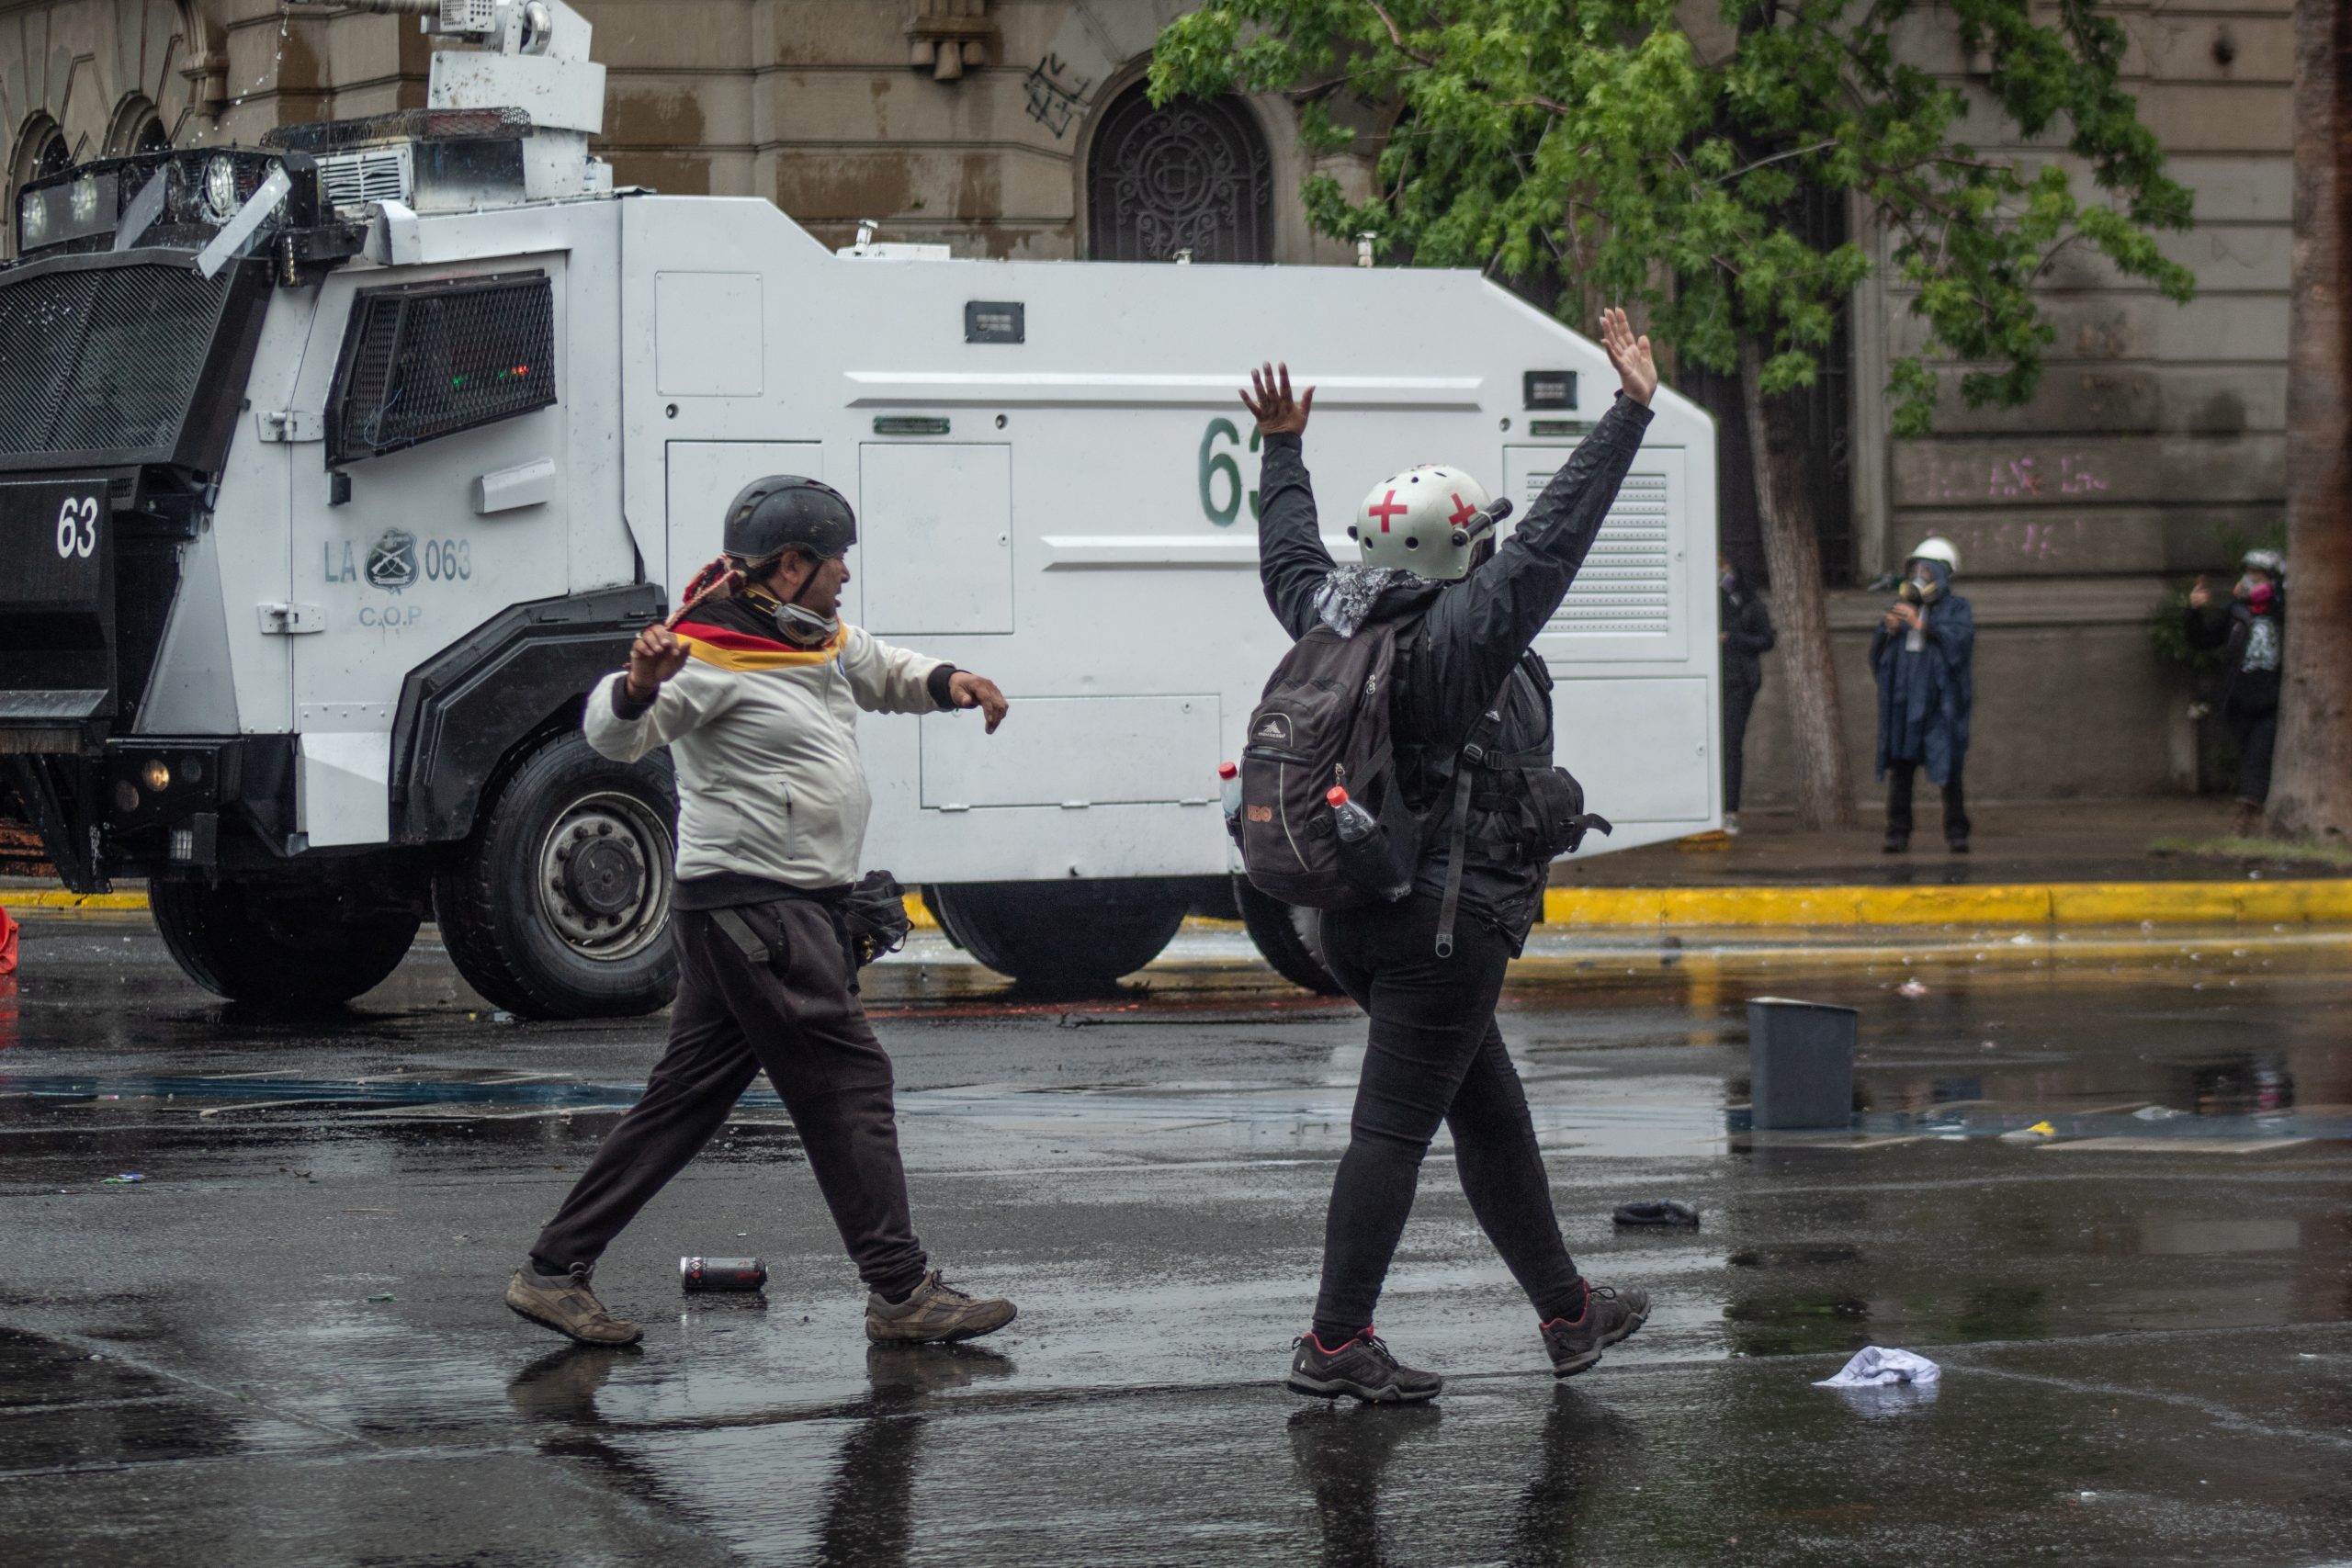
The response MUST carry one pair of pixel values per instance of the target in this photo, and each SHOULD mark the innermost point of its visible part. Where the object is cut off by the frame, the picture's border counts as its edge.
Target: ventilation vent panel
(354, 179)
(1624, 588)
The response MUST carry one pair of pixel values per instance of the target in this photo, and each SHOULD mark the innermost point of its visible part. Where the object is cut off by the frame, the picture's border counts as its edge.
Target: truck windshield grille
(104, 358)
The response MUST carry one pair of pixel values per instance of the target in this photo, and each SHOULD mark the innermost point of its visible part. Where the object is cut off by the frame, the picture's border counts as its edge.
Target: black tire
(1290, 938)
(1061, 937)
(281, 941)
(559, 906)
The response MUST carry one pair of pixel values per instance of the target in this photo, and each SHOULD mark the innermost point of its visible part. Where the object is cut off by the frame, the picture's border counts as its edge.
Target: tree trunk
(1792, 554)
(2313, 794)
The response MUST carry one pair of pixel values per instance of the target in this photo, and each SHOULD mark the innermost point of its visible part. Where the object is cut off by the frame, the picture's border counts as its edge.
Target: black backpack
(1323, 721)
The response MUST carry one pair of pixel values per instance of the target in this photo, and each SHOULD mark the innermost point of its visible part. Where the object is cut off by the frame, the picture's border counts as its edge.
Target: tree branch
(1776, 157)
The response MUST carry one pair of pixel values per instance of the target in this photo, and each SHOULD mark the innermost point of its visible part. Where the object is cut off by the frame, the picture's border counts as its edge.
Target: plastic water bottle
(1367, 854)
(1231, 789)
(1355, 823)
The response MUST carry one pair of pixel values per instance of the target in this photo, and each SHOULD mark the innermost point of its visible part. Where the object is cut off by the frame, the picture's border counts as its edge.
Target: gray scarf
(1349, 594)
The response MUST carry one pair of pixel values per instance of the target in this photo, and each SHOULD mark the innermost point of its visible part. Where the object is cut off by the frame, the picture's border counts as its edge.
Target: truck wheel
(558, 907)
(280, 942)
(1066, 938)
(1290, 938)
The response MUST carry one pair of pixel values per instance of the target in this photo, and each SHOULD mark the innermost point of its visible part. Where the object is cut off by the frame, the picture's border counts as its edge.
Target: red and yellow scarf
(738, 632)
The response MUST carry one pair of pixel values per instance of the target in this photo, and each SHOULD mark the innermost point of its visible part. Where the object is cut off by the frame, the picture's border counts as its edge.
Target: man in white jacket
(755, 689)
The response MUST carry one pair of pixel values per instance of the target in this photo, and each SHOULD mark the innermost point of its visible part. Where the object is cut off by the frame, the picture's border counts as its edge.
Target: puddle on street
(310, 1268)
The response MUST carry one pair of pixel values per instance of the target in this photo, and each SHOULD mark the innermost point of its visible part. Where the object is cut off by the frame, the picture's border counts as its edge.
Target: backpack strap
(1472, 760)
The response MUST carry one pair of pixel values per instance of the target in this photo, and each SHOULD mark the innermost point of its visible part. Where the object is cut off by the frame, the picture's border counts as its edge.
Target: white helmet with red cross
(1419, 520)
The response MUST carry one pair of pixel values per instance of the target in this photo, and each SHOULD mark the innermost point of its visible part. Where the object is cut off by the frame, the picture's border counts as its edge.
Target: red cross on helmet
(1419, 520)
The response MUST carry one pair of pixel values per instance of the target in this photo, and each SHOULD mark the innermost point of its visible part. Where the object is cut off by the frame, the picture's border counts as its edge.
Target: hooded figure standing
(1470, 711)
(2251, 633)
(1923, 654)
(1746, 636)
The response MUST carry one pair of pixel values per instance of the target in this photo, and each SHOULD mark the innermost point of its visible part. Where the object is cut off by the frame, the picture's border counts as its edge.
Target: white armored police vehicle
(333, 474)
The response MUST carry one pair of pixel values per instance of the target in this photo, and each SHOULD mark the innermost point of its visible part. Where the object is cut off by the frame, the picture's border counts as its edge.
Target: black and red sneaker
(1361, 1368)
(1610, 1315)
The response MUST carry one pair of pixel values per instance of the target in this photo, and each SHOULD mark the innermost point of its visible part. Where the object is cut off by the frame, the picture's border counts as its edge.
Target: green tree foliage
(1600, 145)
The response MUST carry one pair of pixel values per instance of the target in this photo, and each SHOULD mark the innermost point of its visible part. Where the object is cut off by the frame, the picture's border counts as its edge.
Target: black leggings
(1435, 1055)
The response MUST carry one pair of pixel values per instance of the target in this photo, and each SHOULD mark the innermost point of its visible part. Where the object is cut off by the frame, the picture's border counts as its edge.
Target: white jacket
(770, 782)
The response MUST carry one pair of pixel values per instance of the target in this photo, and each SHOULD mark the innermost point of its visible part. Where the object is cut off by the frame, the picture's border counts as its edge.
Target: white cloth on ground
(1875, 1367)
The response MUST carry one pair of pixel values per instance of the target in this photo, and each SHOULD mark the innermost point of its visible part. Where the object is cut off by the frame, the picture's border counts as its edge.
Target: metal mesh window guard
(103, 359)
(429, 360)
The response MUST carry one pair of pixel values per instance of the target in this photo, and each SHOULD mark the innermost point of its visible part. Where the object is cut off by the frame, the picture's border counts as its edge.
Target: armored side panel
(523, 670)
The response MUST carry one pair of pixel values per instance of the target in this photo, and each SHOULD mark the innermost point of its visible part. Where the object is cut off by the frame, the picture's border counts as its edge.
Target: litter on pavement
(1666, 1211)
(1876, 1367)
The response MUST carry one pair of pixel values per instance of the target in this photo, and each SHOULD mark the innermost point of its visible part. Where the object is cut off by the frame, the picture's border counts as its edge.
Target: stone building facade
(1016, 128)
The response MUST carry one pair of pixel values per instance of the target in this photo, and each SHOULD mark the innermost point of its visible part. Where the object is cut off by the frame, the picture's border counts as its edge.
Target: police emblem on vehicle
(391, 560)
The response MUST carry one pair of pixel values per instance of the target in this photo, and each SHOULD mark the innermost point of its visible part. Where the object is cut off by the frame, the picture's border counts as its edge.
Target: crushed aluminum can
(695, 1274)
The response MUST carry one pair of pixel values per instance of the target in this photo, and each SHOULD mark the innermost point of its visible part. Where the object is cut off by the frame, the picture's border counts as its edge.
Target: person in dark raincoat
(2251, 633)
(1924, 656)
(1745, 636)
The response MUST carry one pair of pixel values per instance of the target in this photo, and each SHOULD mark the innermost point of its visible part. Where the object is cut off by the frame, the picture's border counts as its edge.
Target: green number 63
(1217, 466)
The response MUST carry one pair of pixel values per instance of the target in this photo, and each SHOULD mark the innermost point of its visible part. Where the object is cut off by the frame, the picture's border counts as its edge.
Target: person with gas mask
(1745, 633)
(1924, 655)
(1470, 718)
(2251, 633)
(754, 685)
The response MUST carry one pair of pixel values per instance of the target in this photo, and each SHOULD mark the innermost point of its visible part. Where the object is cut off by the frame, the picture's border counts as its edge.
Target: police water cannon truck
(332, 473)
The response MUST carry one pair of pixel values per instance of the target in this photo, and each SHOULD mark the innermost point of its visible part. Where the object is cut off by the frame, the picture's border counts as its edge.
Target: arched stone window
(137, 129)
(1194, 175)
(41, 150)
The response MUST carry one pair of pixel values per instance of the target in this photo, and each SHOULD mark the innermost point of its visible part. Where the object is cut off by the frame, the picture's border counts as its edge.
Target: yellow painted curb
(2313, 901)
(58, 898)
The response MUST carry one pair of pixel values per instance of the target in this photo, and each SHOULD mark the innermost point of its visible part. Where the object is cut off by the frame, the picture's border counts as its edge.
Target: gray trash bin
(1800, 1063)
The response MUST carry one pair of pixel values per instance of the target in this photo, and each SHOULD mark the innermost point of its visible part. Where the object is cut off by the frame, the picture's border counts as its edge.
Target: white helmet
(1937, 549)
(1419, 520)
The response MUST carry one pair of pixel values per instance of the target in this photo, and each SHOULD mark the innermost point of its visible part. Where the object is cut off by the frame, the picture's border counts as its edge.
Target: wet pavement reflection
(2104, 1178)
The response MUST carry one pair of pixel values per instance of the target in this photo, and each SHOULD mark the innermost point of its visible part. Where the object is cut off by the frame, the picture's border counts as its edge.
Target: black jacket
(1470, 651)
(1747, 634)
(2229, 627)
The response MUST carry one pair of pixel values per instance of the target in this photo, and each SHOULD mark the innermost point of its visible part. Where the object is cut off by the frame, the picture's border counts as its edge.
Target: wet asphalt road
(285, 1344)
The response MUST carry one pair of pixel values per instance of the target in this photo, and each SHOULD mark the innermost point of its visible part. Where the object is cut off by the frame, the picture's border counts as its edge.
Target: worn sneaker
(1362, 1369)
(936, 1313)
(1610, 1315)
(565, 1303)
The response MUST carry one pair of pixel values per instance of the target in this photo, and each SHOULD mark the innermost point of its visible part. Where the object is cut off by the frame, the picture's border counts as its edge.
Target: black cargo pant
(2255, 730)
(738, 1014)
(1900, 776)
(1435, 1056)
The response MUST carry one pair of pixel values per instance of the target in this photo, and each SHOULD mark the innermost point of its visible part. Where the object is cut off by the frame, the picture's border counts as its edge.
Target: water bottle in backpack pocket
(1376, 856)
